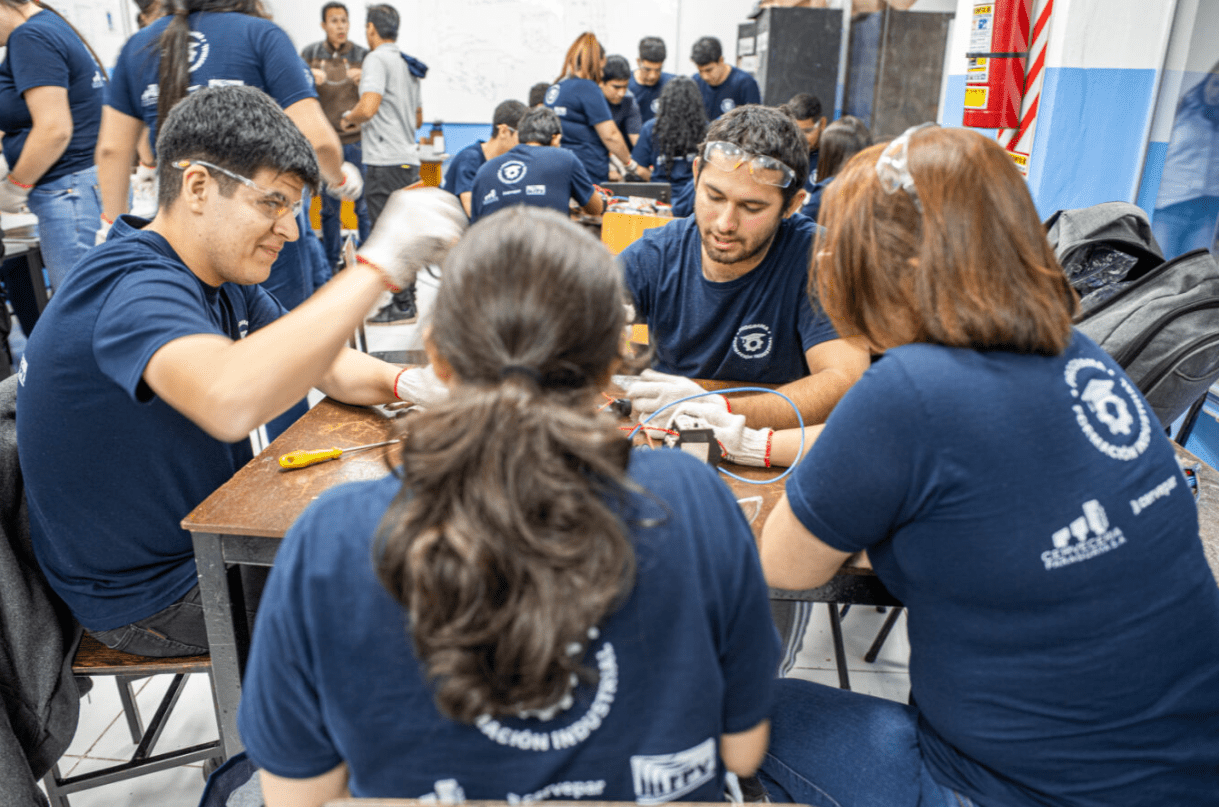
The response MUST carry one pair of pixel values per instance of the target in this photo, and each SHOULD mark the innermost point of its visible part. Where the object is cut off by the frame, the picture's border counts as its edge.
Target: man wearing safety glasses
(724, 294)
(160, 354)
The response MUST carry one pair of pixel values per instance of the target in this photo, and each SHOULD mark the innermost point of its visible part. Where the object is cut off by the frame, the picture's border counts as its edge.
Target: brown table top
(264, 500)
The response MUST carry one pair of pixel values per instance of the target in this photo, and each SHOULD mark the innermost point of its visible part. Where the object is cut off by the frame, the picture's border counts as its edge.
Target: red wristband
(389, 281)
(727, 404)
(399, 375)
(146, 165)
(769, 438)
(21, 185)
(102, 216)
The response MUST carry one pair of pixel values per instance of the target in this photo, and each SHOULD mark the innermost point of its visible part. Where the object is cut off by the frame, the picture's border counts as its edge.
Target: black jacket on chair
(38, 638)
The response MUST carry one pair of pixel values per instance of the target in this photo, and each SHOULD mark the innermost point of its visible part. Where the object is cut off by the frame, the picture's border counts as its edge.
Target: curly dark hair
(681, 120)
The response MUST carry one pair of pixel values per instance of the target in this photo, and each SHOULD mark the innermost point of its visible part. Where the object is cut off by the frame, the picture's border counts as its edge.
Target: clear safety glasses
(273, 204)
(893, 168)
(767, 170)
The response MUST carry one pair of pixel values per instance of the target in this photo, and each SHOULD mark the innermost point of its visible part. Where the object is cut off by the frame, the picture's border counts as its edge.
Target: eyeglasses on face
(767, 170)
(273, 204)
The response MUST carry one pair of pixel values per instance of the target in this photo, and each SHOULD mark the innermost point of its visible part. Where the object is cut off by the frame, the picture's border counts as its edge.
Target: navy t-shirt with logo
(754, 328)
(648, 97)
(1030, 513)
(736, 90)
(44, 51)
(111, 469)
(542, 176)
(678, 173)
(581, 105)
(225, 48)
(688, 657)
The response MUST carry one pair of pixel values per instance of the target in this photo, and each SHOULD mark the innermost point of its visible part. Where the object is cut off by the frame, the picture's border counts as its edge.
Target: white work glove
(416, 228)
(3, 166)
(13, 197)
(144, 192)
(653, 390)
(419, 385)
(741, 445)
(103, 232)
(352, 185)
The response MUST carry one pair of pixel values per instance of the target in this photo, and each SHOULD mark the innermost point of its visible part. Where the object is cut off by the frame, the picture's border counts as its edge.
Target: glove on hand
(742, 445)
(419, 385)
(416, 228)
(352, 185)
(13, 197)
(144, 180)
(654, 390)
(3, 166)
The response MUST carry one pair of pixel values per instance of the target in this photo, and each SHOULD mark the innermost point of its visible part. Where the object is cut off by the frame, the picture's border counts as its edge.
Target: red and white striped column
(1019, 142)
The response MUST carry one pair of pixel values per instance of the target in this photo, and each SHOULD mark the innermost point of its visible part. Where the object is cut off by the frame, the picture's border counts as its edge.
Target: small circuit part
(702, 444)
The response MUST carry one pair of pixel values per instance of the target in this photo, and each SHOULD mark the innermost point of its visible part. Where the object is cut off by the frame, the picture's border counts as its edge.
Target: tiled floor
(102, 736)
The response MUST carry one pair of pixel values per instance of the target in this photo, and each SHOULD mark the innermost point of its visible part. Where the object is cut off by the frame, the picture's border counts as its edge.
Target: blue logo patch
(552, 95)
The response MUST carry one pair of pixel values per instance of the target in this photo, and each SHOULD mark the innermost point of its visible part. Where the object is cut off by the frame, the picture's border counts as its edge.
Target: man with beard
(724, 293)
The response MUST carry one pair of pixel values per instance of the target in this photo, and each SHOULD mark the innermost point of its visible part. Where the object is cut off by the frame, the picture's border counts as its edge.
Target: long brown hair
(972, 269)
(505, 545)
(175, 45)
(17, 4)
(583, 59)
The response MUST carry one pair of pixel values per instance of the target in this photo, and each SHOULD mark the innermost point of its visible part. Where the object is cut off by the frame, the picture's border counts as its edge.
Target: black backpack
(1163, 329)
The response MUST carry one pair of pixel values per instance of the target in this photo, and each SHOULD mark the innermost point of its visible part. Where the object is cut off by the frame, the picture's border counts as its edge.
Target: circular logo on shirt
(727, 105)
(655, 105)
(1108, 410)
(511, 172)
(752, 341)
(197, 50)
(552, 95)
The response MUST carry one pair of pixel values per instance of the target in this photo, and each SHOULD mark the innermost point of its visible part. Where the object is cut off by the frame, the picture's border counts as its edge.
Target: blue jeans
(831, 747)
(69, 213)
(331, 225)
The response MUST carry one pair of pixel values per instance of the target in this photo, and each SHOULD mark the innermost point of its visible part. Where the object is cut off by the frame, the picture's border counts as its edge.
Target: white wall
(481, 52)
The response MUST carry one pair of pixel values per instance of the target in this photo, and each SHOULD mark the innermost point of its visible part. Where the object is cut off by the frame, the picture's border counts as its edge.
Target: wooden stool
(94, 658)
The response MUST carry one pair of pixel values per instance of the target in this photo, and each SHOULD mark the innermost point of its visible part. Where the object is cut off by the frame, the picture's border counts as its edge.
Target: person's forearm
(617, 146)
(116, 149)
(785, 445)
(308, 116)
(814, 395)
(43, 147)
(360, 379)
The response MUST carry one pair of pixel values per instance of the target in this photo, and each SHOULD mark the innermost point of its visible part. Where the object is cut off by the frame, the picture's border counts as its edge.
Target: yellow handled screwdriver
(300, 459)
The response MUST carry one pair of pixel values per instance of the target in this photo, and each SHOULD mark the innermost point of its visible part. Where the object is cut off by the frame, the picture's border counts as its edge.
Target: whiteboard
(481, 52)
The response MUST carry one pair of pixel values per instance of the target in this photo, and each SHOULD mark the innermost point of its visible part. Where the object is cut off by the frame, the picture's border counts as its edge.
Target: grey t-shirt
(389, 138)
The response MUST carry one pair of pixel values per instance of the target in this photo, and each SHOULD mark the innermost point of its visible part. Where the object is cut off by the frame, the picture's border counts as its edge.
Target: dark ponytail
(174, 79)
(506, 544)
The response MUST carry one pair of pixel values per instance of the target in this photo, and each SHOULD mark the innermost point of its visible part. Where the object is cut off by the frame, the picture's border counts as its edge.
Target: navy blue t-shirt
(680, 175)
(225, 48)
(462, 168)
(648, 98)
(1029, 512)
(45, 52)
(541, 176)
(736, 90)
(110, 470)
(626, 116)
(581, 105)
(754, 328)
(688, 657)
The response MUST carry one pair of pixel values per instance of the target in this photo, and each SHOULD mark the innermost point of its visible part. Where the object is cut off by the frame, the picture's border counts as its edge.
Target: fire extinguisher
(994, 76)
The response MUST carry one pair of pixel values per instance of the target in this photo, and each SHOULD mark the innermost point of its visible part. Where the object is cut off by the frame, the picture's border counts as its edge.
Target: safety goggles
(728, 157)
(893, 167)
(273, 204)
